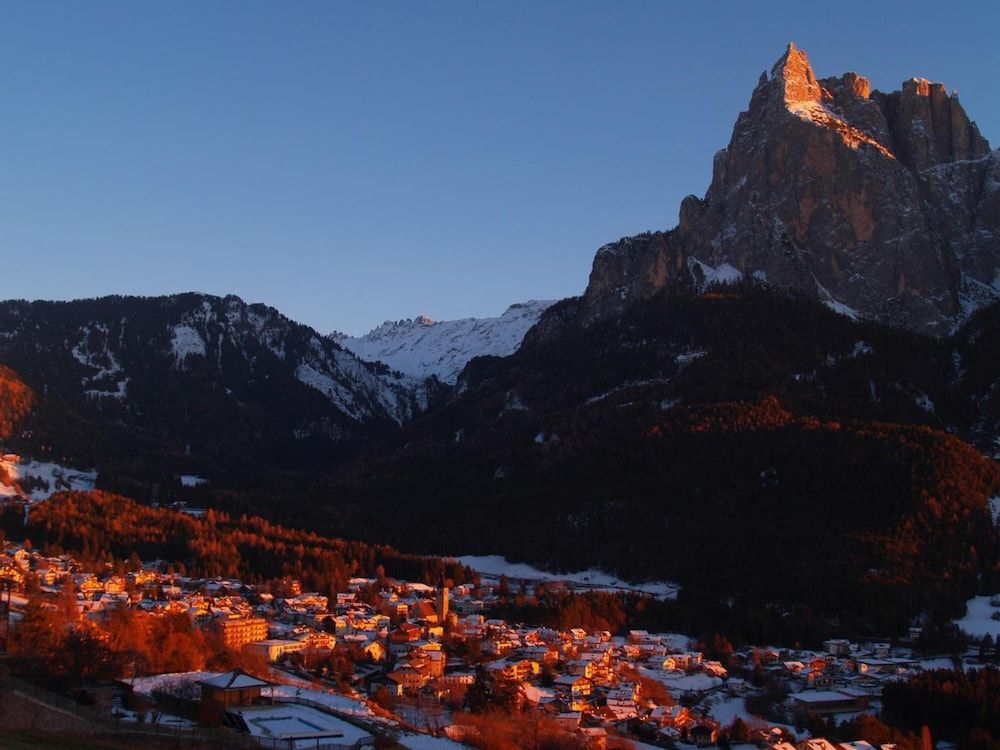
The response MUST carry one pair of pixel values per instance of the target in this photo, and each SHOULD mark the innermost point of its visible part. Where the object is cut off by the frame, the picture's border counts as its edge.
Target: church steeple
(442, 601)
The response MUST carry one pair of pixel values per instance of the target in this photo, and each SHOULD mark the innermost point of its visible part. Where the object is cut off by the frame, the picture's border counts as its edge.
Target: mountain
(421, 347)
(694, 433)
(195, 374)
(782, 404)
(885, 206)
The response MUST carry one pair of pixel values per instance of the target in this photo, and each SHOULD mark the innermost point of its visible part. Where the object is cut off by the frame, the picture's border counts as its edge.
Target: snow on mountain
(37, 480)
(422, 347)
(124, 350)
(353, 387)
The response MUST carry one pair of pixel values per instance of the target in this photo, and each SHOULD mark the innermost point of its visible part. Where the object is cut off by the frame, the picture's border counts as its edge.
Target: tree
(490, 692)
(738, 731)
(38, 638)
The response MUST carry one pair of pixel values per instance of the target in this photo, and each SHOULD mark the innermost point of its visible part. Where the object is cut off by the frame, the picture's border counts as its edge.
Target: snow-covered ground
(978, 618)
(722, 274)
(422, 347)
(341, 703)
(186, 341)
(38, 480)
(494, 566)
(679, 683)
(995, 507)
(190, 480)
(724, 711)
(300, 726)
(840, 308)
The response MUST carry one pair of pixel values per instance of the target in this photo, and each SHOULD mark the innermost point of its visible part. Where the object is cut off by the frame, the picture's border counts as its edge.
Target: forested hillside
(98, 526)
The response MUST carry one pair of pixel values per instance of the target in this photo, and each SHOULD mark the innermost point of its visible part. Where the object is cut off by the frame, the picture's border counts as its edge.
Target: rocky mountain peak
(884, 206)
(931, 126)
(795, 75)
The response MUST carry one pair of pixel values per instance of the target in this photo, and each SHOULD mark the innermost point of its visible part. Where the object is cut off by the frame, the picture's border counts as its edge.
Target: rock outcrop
(885, 206)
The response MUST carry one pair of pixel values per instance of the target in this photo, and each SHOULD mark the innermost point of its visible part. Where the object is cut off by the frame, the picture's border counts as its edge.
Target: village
(399, 657)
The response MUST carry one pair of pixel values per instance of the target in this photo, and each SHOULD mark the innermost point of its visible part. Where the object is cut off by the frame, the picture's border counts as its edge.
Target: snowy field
(729, 708)
(494, 566)
(39, 480)
(680, 683)
(341, 703)
(978, 618)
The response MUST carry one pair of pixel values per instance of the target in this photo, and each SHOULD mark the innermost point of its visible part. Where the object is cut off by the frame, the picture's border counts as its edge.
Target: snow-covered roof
(235, 680)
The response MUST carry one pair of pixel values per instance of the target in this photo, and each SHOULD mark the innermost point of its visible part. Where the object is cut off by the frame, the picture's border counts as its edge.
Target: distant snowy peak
(422, 347)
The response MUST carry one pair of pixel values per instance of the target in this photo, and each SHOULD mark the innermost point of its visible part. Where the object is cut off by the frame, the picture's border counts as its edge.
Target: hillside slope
(197, 375)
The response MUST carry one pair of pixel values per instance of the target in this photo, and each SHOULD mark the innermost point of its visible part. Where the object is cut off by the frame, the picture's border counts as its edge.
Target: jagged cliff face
(881, 205)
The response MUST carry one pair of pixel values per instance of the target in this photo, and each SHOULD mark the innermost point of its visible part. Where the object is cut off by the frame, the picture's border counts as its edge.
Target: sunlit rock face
(881, 205)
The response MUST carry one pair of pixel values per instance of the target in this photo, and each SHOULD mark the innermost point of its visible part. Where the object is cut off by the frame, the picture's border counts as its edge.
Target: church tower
(442, 601)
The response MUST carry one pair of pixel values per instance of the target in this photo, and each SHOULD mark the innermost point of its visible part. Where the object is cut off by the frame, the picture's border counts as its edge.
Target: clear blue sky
(350, 164)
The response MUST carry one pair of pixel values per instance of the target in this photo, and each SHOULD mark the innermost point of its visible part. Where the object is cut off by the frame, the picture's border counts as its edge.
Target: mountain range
(422, 347)
(804, 372)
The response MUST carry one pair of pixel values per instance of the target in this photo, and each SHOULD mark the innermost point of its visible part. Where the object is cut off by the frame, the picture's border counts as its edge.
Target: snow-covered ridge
(422, 347)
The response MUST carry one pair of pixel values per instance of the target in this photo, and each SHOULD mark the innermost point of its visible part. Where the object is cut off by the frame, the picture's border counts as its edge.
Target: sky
(355, 163)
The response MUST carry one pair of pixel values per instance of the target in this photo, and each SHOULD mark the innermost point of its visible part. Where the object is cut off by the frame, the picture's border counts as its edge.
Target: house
(714, 668)
(424, 611)
(513, 669)
(496, 647)
(577, 688)
(823, 702)
(569, 720)
(374, 650)
(273, 648)
(817, 743)
(407, 632)
(235, 688)
(385, 684)
(837, 647)
(675, 716)
(409, 677)
(690, 660)
(596, 738)
(704, 734)
(316, 639)
(638, 636)
(236, 631)
(458, 678)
